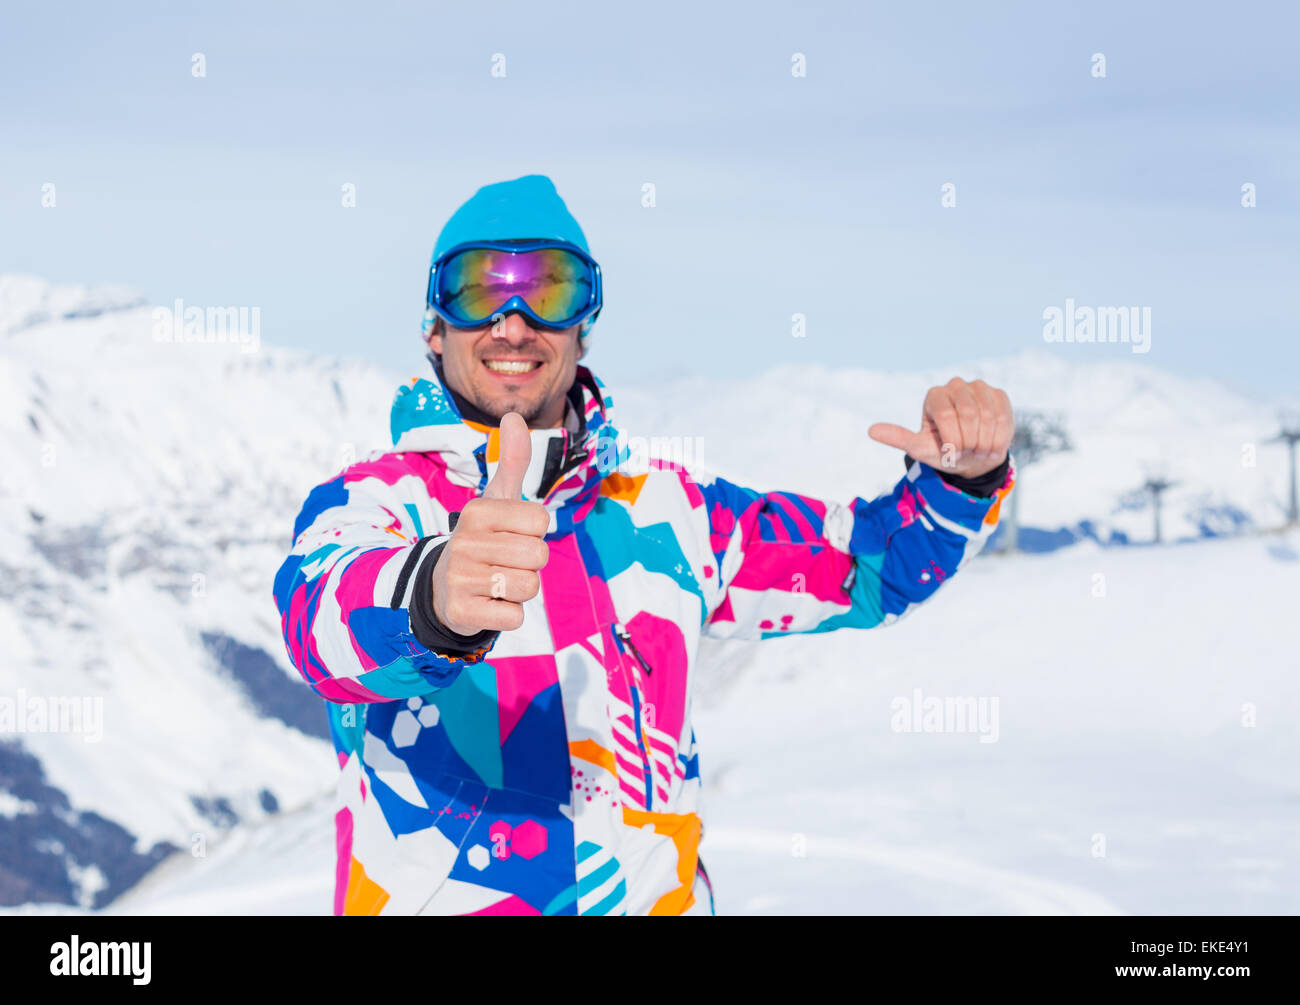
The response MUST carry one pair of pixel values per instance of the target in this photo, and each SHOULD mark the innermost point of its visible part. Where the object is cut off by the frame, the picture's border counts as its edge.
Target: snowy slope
(1119, 716)
(147, 493)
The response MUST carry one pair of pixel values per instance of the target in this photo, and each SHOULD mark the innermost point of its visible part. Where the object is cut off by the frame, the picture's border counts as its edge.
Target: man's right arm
(373, 609)
(346, 592)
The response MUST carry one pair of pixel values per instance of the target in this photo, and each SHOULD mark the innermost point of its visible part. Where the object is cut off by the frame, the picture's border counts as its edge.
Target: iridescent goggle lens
(473, 285)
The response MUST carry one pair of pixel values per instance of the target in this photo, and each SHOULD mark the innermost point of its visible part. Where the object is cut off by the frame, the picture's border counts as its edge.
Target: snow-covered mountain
(806, 427)
(148, 489)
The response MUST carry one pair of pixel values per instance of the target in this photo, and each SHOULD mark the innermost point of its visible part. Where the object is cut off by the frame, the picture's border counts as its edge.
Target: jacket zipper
(636, 717)
(626, 637)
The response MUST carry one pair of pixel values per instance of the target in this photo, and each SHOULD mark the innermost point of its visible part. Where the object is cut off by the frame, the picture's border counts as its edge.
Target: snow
(805, 427)
(147, 494)
(280, 867)
(12, 806)
(1121, 717)
(26, 301)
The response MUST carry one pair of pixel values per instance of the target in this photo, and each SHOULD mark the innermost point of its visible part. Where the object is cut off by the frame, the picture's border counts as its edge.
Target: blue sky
(775, 195)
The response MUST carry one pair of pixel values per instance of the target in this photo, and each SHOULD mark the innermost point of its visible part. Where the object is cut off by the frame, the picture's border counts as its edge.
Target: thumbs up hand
(489, 567)
(966, 429)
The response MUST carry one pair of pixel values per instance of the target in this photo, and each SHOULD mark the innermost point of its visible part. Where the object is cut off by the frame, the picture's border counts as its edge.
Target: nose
(513, 330)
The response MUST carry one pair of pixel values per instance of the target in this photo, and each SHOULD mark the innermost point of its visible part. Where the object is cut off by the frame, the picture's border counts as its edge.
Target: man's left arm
(789, 563)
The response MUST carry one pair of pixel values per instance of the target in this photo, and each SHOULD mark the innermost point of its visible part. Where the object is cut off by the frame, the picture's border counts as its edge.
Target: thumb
(516, 450)
(893, 436)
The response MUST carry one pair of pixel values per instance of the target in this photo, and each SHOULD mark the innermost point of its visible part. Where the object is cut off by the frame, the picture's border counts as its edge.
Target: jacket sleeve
(788, 563)
(347, 591)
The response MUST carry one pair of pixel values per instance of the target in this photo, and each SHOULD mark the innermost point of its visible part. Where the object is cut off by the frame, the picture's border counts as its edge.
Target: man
(505, 625)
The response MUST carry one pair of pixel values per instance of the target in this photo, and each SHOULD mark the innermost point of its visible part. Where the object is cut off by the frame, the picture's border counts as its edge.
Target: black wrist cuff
(428, 630)
(984, 486)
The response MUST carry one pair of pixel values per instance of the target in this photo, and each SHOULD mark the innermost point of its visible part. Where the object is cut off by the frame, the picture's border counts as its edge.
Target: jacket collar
(567, 462)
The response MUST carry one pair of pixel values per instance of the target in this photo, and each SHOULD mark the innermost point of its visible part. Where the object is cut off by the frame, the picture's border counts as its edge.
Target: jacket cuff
(425, 626)
(984, 486)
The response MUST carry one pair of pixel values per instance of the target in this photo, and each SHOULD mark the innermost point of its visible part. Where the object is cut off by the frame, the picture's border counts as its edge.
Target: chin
(497, 407)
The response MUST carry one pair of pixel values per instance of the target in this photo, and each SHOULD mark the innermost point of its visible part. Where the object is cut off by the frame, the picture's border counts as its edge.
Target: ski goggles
(554, 284)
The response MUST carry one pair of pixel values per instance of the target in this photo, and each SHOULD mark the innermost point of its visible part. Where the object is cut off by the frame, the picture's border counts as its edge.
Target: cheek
(564, 351)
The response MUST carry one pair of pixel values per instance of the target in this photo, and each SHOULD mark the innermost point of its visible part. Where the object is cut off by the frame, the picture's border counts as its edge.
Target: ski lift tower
(1037, 435)
(1156, 483)
(1289, 420)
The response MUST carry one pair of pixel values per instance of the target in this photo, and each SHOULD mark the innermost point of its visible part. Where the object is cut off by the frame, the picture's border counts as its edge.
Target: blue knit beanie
(527, 207)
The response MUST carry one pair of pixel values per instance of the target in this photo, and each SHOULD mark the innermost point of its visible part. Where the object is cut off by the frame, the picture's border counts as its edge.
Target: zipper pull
(623, 634)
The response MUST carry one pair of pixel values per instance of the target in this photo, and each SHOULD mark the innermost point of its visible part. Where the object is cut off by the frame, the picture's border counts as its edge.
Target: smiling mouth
(512, 366)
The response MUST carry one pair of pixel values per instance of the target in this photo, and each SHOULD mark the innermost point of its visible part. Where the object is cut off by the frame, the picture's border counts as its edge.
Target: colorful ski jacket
(555, 769)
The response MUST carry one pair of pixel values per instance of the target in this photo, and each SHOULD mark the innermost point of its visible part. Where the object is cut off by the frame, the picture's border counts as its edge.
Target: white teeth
(510, 365)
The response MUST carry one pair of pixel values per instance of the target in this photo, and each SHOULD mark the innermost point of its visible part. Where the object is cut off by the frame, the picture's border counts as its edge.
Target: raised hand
(489, 567)
(966, 429)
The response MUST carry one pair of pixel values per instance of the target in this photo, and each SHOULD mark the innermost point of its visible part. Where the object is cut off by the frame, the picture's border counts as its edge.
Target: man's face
(511, 367)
